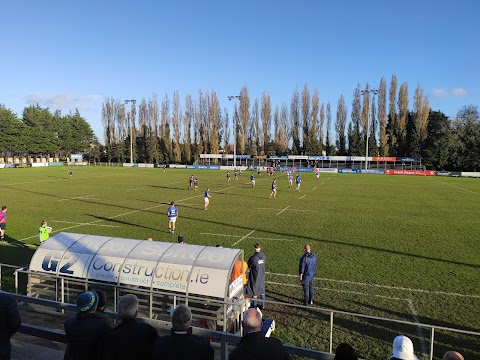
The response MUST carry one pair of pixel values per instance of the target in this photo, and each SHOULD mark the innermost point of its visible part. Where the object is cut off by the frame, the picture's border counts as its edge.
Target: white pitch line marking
(322, 183)
(135, 189)
(338, 290)
(388, 286)
(250, 233)
(251, 237)
(303, 196)
(314, 188)
(77, 197)
(313, 211)
(79, 223)
(419, 329)
(458, 187)
(119, 215)
(283, 210)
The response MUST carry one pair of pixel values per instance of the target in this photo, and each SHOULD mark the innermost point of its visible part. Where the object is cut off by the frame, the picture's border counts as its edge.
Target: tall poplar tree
(295, 122)
(244, 114)
(402, 119)
(421, 112)
(382, 117)
(392, 117)
(357, 144)
(340, 124)
(266, 113)
(328, 145)
(306, 120)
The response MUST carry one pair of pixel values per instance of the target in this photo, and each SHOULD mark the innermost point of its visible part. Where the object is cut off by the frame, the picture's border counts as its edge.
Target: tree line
(172, 130)
(41, 132)
(169, 131)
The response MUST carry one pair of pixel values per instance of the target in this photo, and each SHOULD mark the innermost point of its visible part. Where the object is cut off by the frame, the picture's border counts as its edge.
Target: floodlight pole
(130, 122)
(367, 92)
(234, 97)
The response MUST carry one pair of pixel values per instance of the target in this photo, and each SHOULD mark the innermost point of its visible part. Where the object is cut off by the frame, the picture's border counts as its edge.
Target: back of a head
(102, 299)
(182, 317)
(252, 321)
(345, 352)
(128, 306)
(452, 355)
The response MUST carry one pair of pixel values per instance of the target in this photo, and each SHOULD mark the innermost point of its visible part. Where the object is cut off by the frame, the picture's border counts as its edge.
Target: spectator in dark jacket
(84, 331)
(100, 312)
(345, 352)
(9, 323)
(182, 344)
(306, 269)
(254, 345)
(130, 339)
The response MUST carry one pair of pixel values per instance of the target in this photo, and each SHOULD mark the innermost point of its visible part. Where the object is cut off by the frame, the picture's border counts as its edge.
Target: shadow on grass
(237, 226)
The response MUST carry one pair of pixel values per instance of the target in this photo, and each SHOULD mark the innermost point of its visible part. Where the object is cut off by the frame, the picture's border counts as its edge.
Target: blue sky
(67, 55)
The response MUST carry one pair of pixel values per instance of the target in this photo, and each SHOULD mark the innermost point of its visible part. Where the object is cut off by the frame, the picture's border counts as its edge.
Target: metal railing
(230, 338)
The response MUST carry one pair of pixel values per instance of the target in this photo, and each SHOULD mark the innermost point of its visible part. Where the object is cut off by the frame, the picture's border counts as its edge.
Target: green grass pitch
(398, 247)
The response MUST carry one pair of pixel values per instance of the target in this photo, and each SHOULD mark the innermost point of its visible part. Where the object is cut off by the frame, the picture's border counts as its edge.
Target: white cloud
(447, 93)
(439, 92)
(459, 92)
(64, 101)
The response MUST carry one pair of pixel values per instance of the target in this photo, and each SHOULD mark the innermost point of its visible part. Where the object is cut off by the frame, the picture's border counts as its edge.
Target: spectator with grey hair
(181, 344)
(253, 344)
(131, 339)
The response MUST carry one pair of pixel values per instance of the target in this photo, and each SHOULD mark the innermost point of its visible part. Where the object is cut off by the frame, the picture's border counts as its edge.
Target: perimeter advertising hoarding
(360, 158)
(384, 158)
(316, 157)
(339, 158)
(348, 171)
(175, 267)
(410, 172)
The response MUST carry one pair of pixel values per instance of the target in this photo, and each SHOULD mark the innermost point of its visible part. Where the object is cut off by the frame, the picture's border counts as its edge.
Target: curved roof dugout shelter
(180, 268)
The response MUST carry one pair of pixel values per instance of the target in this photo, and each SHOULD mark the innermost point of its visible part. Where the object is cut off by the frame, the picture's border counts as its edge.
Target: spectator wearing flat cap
(84, 331)
(402, 349)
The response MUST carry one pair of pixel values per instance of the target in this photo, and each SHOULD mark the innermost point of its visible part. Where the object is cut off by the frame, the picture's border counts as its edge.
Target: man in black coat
(182, 344)
(84, 331)
(254, 345)
(256, 276)
(130, 339)
(9, 323)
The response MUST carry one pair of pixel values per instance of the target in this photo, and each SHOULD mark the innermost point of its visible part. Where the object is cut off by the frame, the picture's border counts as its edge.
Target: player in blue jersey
(206, 198)
(274, 189)
(172, 214)
(298, 182)
(252, 180)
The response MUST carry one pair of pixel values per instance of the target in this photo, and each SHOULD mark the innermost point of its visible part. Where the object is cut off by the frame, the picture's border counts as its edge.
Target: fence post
(331, 332)
(16, 281)
(432, 334)
(223, 347)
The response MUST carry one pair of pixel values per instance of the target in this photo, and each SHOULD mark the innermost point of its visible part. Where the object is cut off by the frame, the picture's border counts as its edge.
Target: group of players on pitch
(172, 212)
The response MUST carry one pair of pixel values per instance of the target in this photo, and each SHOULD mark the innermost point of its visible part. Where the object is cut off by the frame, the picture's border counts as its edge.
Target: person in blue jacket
(306, 269)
